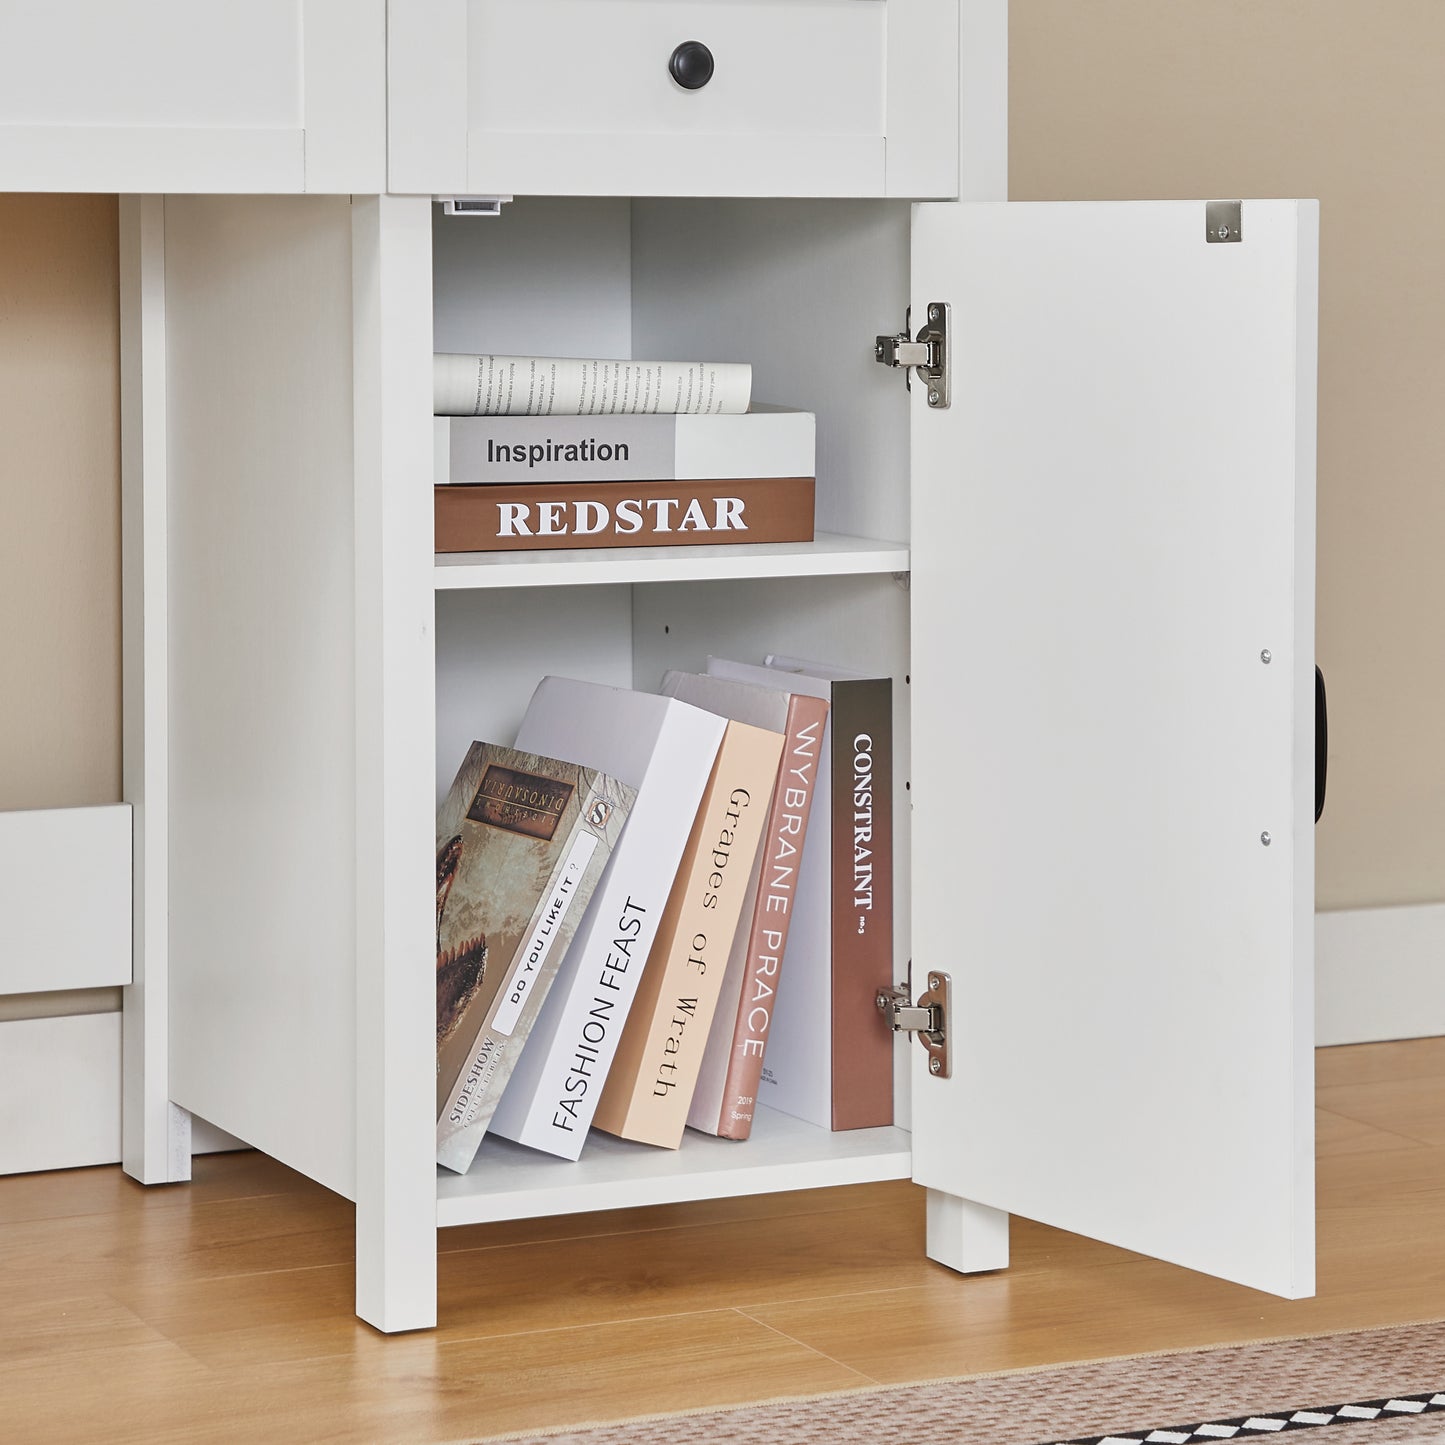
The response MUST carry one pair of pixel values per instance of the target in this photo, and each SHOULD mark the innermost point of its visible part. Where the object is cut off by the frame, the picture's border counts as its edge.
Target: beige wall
(59, 502)
(1343, 101)
(1110, 98)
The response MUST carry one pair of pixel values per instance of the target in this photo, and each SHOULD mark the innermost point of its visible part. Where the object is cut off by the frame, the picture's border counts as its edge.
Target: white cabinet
(1106, 530)
(633, 97)
(193, 95)
(1090, 574)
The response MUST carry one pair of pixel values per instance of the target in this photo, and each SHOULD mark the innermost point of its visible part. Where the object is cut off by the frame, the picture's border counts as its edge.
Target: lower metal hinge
(927, 354)
(929, 1018)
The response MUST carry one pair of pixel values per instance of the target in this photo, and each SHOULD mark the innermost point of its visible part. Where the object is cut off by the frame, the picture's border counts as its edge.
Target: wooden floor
(221, 1310)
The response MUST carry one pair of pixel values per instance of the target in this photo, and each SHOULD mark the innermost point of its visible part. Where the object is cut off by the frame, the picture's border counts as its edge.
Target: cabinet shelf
(509, 1181)
(828, 555)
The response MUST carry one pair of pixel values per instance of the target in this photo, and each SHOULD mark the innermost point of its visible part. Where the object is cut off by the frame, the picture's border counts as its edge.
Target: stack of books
(629, 455)
(689, 916)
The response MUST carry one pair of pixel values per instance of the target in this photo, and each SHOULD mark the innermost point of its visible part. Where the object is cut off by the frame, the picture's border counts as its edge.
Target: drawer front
(193, 95)
(783, 68)
(590, 97)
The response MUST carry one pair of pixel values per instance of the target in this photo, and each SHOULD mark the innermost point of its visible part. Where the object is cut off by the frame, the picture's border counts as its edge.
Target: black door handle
(1322, 743)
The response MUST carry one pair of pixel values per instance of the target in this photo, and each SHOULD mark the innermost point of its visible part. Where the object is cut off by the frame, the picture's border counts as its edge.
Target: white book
(797, 1074)
(763, 707)
(466, 385)
(665, 749)
(766, 441)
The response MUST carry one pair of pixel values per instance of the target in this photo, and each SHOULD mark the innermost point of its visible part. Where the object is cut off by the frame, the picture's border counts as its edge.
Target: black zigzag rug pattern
(1276, 1423)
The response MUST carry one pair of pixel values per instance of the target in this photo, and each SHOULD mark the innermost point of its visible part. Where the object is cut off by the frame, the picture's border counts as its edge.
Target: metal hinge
(929, 1018)
(1223, 221)
(927, 353)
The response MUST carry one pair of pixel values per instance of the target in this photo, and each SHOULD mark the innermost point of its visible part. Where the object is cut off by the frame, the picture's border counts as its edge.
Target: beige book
(650, 1086)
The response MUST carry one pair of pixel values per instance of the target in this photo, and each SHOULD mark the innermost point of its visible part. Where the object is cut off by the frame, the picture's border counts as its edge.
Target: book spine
(649, 1087)
(773, 914)
(862, 902)
(553, 1094)
(488, 450)
(508, 517)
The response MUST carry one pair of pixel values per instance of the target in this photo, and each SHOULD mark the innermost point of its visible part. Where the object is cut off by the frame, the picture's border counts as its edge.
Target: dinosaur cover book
(522, 841)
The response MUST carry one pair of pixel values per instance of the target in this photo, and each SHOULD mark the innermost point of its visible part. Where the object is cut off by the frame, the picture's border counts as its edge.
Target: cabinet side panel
(262, 730)
(799, 289)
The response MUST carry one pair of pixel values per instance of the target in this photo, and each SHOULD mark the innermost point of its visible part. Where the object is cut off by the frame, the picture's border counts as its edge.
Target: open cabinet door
(1113, 704)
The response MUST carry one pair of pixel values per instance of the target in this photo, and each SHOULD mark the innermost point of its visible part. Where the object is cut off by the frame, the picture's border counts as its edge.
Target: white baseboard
(1380, 974)
(60, 1095)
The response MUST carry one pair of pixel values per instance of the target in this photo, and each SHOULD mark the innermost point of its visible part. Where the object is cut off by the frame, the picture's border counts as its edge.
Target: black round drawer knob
(691, 65)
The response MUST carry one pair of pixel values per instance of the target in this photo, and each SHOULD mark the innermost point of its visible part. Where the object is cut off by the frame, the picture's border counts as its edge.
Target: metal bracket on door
(1223, 222)
(927, 354)
(930, 1018)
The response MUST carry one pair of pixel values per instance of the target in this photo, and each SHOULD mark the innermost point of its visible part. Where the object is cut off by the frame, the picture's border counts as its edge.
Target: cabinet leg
(965, 1236)
(396, 1201)
(155, 1134)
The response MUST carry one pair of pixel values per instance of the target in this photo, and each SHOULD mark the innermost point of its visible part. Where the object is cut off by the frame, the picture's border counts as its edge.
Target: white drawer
(193, 95)
(583, 97)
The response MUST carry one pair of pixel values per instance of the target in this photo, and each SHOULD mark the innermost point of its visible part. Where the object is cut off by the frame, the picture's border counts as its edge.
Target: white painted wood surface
(1380, 974)
(799, 290)
(1110, 524)
(549, 276)
(983, 100)
(509, 1181)
(922, 98)
(263, 702)
(60, 1096)
(573, 97)
(827, 555)
(426, 61)
(493, 647)
(59, 1092)
(64, 898)
(173, 95)
(156, 1135)
(344, 89)
(391, 855)
(968, 1237)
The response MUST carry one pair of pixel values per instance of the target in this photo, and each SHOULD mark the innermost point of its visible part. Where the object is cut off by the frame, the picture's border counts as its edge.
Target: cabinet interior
(798, 289)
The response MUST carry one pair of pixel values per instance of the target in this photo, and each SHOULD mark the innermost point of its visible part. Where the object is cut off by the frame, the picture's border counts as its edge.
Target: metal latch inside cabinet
(930, 1018)
(473, 205)
(927, 353)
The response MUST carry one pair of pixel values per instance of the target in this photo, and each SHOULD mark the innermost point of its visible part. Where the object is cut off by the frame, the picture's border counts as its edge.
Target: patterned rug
(1367, 1388)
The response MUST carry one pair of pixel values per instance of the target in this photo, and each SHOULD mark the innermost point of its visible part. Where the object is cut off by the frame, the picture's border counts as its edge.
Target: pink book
(732, 1065)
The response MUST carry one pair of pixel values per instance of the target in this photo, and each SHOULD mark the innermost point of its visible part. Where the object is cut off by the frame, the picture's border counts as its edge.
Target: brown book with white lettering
(525, 517)
(650, 1084)
(732, 1066)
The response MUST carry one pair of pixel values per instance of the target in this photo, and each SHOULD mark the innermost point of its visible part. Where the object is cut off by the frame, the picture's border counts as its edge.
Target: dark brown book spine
(862, 912)
(773, 911)
(502, 517)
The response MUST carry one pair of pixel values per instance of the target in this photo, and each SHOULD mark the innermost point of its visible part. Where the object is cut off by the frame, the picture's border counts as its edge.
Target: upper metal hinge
(927, 354)
(929, 1019)
(1223, 221)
